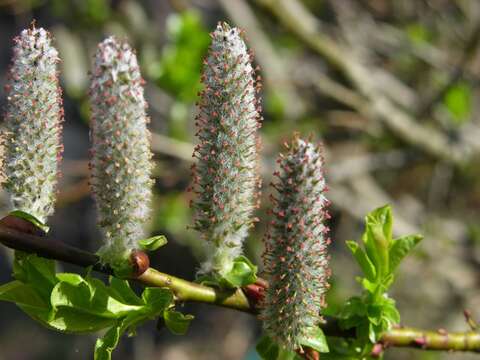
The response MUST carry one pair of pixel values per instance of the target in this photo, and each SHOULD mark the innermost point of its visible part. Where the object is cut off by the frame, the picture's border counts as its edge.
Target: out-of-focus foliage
(179, 67)
(458, 101)
(87, 12)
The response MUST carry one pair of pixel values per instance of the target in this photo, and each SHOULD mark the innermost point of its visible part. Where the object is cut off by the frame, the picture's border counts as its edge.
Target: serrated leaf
(316, 340)
(36, 271)
(362, 259)
(152, 243)
(377, 238)
(401, 247)
(157, 299)
(124, 292)
(88, 296)
(27, 299)
(70, 320)
(22, 295)
(390, 312)
(105, 345)
(243, 273)
(177, 322)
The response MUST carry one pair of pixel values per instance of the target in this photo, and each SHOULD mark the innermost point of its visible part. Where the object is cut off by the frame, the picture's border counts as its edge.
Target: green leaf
(157, 299)
(341, 349)
(372, 333)
(70, 320)
(88, 296)
(354, 306)
(105, 345)
(122, 270)
(177, 322)
(153, 243)
(390, 313)
(242, 273)
(123, 291)
(316, 340)
(352, 313)
(362, 259)
(401, 247)
(269, 350)
(377, 238)
(35, 271)
(24, 296)
(284, 354)
(382, 217)
(26, 216)
(374, 312)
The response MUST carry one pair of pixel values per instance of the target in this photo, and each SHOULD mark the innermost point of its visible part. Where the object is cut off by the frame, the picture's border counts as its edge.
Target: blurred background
(390, 87)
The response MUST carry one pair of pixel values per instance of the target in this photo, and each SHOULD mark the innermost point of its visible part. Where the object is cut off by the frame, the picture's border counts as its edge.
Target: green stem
(189, 291)
(432, 340)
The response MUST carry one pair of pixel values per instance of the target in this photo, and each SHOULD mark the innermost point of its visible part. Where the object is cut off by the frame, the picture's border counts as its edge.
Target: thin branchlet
(121, 157)
(295, 257)
(33, 118)
(225, 178)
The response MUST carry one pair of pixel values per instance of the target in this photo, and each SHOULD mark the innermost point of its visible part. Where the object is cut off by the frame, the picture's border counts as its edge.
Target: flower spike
(33, 129)
(295, 256)
(225, 177)
(121, 157)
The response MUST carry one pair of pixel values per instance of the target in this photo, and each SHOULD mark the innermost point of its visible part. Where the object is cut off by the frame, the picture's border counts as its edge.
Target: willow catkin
(295, 257)
(226, 179)
(33, 125)
(121, 157)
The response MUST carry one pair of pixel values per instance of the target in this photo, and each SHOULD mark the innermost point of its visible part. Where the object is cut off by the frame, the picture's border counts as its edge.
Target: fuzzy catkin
(33, 118)
(121, 157)
(225, 177)
(295, 257)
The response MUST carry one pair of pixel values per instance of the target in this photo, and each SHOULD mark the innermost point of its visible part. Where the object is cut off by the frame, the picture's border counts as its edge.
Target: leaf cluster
(374, 312)
(72, 303)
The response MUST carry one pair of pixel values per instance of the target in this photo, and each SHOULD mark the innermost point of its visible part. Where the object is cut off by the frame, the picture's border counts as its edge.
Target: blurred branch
(308, 74)
(275, 70)
(172, 147)
(380, 107)
(235, 299)
(344, 169)
(469, 51)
